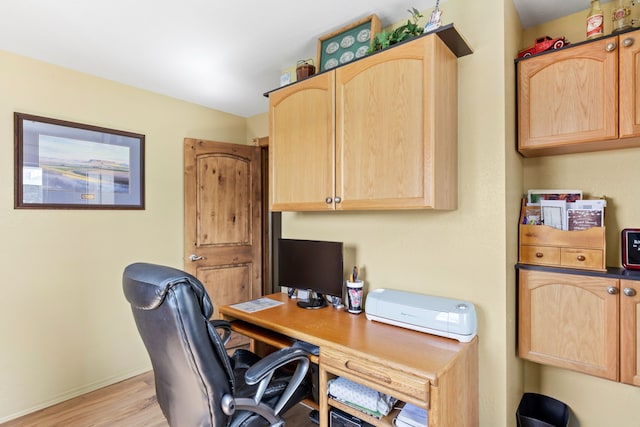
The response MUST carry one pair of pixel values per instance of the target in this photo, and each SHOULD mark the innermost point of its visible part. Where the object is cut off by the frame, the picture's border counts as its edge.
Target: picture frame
(631, 248)
(66, 165)
(347, 44)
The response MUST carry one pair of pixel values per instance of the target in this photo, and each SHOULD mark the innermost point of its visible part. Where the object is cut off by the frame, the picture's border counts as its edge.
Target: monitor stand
(317, 301)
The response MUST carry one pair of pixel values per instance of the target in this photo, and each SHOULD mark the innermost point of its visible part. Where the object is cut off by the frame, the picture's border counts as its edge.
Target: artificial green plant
(411, 29)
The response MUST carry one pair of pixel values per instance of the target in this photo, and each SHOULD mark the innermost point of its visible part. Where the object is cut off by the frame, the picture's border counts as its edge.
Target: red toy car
(542, 44)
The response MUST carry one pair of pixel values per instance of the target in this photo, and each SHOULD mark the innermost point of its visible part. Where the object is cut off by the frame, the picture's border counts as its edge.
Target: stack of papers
(411, 416)
(564, 210)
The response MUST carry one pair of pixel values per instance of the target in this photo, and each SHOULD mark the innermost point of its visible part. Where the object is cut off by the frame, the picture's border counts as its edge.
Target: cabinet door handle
(627, 41)
(194, 257)
(581, 258)
(539, 254)
(610, 47)
(612, 290)
(630, 292)
(328, 200)
(337, 199)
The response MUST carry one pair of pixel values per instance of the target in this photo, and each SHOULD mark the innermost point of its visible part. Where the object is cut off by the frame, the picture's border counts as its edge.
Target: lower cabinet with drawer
(584, 321)
(444, 395)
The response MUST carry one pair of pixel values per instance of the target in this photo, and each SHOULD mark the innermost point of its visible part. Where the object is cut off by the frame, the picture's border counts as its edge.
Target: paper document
(256, 305)
(411, 416)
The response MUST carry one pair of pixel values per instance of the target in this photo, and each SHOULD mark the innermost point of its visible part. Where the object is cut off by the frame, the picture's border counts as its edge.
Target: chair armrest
(265, 366)
(263, 370)
(224, 326)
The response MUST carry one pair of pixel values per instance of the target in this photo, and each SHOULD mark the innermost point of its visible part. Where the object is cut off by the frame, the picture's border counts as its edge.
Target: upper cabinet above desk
(580, 98)
(377, 133)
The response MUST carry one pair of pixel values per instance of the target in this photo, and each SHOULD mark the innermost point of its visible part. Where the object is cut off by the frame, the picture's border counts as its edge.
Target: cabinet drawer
(582, 258)
(384, 378)
(539, 255)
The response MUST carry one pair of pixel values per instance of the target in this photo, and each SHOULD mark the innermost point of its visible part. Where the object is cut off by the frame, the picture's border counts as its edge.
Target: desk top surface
(328, 327)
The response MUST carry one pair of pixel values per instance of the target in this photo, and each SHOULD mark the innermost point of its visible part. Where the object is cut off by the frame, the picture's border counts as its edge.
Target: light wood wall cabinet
(629, 325)
(586, 323)
(379, 133)
(581, 98)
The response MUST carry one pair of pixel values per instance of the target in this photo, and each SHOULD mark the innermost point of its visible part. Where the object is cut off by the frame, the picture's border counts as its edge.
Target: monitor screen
(312, 265)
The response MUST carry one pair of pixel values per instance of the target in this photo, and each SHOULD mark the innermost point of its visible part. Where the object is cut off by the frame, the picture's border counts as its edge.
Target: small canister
(355, 296)
(305, 68)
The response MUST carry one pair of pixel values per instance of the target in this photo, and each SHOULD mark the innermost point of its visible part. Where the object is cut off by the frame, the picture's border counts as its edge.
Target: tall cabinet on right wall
(581, 98)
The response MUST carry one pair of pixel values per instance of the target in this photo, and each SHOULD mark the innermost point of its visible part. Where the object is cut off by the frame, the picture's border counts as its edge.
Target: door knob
(194, 257)
(612, 290)
(630, 292)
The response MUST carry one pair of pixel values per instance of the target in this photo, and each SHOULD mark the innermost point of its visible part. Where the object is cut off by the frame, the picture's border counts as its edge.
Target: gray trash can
(538, 410)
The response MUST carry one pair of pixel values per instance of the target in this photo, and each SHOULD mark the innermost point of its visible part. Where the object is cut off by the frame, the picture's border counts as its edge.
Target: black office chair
(197, 383)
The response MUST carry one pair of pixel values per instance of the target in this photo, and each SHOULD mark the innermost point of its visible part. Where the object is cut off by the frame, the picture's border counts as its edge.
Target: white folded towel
(360, 396)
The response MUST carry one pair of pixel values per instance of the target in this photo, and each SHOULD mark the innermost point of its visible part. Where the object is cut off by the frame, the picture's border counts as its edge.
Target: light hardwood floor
(130, 403)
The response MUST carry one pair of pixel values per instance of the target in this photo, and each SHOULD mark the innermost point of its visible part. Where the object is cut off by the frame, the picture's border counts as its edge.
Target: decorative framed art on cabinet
(348, 43)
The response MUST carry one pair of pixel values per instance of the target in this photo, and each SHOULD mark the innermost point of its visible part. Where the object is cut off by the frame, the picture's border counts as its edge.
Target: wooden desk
(436, 373)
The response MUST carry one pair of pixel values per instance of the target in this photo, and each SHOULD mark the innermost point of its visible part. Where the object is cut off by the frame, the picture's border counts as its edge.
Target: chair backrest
(191, 368)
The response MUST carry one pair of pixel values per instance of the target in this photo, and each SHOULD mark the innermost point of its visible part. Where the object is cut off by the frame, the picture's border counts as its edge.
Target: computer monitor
(311, 265)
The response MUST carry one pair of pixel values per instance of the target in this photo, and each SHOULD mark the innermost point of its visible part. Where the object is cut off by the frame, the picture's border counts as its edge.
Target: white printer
(440, 316)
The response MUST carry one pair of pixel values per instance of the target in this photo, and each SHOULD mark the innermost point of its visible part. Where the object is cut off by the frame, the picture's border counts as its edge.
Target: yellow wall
(90, 340)
(573, 27)
(595, 402)
(66, 327)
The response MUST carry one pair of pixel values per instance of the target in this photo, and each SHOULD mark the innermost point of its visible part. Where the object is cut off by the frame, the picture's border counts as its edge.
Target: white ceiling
(223, 55)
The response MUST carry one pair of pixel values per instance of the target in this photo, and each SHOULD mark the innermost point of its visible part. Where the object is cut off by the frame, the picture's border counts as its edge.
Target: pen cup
(354, 296)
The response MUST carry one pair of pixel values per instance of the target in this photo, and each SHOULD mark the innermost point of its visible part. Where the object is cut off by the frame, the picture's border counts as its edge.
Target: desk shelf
(267, 337)
(382, 422)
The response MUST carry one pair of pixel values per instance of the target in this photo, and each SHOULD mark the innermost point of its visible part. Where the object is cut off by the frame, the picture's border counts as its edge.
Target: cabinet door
(568, 97)
(629, 329)
(396, 128)
(629, 80)
(569, 321)
(301, 151)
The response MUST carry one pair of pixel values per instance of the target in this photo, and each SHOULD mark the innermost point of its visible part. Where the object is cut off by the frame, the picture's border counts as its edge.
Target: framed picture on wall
(66, 165)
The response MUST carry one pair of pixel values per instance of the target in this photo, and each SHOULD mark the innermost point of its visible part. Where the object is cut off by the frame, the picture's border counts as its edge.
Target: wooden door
(568, 97)
(301, 145)
(396, 129)
(569, 321)
(223, 219)
(629, 47)
(629, 332)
